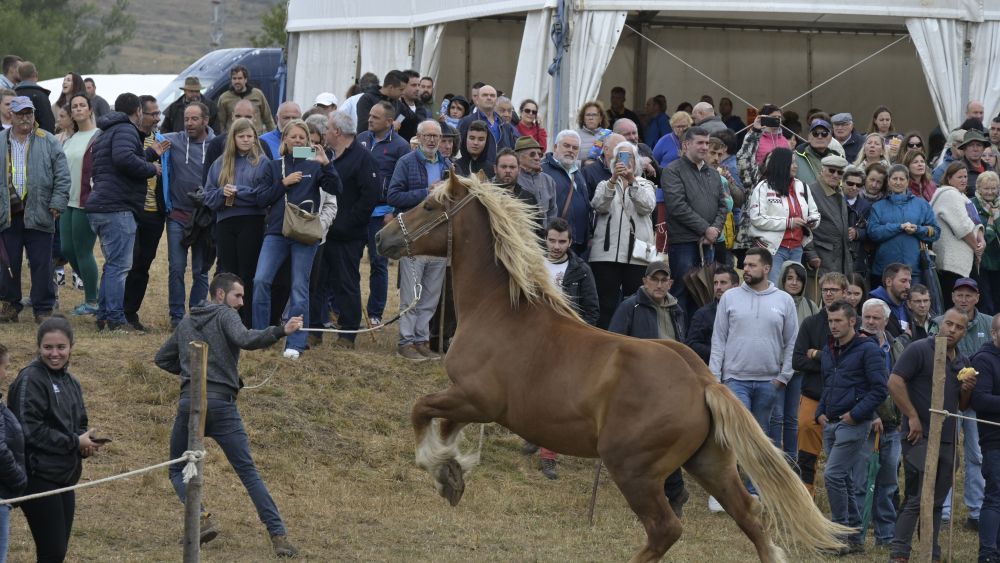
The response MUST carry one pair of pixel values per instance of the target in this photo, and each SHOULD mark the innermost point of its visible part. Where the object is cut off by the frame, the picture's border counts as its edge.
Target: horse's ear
(482, 177)
(453, 181)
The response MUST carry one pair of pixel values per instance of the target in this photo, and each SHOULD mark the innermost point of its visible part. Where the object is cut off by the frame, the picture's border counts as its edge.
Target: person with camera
(218, 323)
(781, 211)
(624, 206)
(48, 402)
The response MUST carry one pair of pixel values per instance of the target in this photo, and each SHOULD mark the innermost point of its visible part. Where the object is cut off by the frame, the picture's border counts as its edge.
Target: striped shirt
(18, 164)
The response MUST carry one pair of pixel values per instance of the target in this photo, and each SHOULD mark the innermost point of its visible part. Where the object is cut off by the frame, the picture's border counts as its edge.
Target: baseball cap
(326, 99)
(21, 103)
(657, 266)
(967, 282)
(819, 123)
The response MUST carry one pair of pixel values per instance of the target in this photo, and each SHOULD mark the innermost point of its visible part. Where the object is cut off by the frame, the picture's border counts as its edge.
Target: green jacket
(47, 184)
(991, 257)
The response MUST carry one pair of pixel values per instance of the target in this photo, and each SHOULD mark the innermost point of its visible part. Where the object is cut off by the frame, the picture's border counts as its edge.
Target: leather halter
(444, 218)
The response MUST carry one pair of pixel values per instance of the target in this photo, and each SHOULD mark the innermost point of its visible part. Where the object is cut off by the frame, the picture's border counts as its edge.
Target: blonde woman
(668, 148)
(872, 152)
(229, 192)
(624, 206)
(296, 180)
(987, 204)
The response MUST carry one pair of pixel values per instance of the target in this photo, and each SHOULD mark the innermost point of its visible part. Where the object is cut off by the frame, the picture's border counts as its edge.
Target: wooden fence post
(926, 551)
(196, 434)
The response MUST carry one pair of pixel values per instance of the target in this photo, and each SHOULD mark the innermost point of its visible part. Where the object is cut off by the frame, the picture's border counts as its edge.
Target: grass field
(331, 437)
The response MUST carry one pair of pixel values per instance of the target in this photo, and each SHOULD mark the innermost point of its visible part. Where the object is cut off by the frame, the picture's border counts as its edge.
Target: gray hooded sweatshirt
(754, 335)
(219, 326)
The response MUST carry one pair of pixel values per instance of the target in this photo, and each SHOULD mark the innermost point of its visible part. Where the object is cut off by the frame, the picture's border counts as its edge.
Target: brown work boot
(8, 314)
(426, 351)
(344, 344)
(409, 351)
(208, 529)
(283, 547)
(41, 316)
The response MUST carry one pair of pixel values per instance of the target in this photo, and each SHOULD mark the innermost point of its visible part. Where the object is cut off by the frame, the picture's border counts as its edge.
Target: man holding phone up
(218, 323)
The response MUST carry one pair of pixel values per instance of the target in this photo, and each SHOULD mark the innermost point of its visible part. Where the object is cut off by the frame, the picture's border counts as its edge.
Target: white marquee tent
(769, 51)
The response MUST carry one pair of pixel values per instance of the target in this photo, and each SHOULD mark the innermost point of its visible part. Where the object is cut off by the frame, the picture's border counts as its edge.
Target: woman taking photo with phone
(898, 224)
(48, 402)
(296, 178)
(781, 211)
(624, 207)
(239, 221)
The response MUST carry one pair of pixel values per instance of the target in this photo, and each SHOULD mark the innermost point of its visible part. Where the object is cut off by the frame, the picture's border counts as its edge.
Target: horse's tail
(791, 514)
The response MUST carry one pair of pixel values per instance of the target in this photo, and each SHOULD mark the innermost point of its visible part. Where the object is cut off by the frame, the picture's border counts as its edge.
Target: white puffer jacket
(768, 213)
(953, 254)
(618, 212)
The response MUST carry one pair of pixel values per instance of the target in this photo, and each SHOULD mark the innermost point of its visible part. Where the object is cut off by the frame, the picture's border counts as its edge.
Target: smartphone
(768, 121)
(101, 441)
(304, 152)
(625, 158)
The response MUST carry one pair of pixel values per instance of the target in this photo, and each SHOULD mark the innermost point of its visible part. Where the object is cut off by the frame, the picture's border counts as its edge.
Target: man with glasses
(811, 154)
(414, 176)
(813, 335)
(34, 190)
(972, 146)
(849, 139)
(829, 250)
(858, 209)
(531, 179)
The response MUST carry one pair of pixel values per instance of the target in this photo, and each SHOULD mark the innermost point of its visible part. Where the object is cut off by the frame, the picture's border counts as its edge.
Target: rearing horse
(521, 357)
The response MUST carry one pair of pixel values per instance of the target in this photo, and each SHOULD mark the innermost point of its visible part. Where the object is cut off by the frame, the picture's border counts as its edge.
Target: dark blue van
(213, 72)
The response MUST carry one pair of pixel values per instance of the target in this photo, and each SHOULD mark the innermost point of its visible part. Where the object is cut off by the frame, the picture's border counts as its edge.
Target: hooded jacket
(245, 174)
(623, 215)
(40, 99)
(506, 140)
(581, 290)
(637, 316)
(120, 167)
(221, 328)
(893, 244)
(855, 379)
(187, 162)
(803, 305)
(754, 335)
(468, 165)
(49, 406)
(986, 395)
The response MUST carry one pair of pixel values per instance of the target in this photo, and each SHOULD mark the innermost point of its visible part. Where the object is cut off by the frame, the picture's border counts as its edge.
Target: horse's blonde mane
(515, 244)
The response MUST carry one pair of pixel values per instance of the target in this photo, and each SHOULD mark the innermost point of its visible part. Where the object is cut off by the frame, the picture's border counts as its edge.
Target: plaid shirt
(18, 164)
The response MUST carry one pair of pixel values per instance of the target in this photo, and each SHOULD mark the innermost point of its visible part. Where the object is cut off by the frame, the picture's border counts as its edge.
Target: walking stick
(593, 493)
(368, 323)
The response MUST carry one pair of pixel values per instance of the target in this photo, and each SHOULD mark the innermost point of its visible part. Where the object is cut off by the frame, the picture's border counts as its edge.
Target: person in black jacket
(345, 241)
(474, 157)
(699, 335)
(392, 88)
(48, 402)
(121, 169)
(814, 333)
(654, 313)
(576, 279)
(12, 474)
(28, 86)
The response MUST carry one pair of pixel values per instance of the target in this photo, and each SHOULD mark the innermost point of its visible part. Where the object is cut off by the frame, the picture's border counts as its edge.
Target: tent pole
(641, 58)
(966, 67)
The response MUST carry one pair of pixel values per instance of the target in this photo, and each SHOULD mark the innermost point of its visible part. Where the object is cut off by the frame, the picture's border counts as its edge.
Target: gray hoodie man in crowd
(218, 323)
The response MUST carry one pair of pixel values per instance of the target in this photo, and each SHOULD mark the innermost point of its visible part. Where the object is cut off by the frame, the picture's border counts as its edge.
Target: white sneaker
(714, 507)
(291, 354)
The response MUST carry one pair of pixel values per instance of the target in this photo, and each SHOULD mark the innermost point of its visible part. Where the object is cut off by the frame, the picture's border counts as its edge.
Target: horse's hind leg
(437, 446)
(644, 494)
(715, 469)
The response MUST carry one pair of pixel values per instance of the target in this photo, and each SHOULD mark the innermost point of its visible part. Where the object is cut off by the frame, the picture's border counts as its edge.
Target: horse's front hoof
(452, 482)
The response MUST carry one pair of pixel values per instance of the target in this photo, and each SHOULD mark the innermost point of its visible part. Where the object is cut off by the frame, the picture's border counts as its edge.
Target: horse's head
(423, 230)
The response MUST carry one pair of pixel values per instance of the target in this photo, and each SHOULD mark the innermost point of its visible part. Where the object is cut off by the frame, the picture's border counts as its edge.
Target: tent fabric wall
(312, 69)
(531, 79)
(430, 53)
(383, 50)
(594, 36)
(985, 58)
(939, 44)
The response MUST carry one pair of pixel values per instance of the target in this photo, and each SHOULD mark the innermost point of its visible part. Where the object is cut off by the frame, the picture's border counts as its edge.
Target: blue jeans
(758, 397)
(272, 253)
(224, 425)
(378, 275)
(784, 425)
(780, 257)
(844, 444)
(4, 532)
(989, 516)
(883, 516)
(974, 485)
(177, 257)
(684, 256)
(117, 233)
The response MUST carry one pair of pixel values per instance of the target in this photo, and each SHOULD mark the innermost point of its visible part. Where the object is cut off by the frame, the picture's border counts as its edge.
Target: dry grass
(332, 439)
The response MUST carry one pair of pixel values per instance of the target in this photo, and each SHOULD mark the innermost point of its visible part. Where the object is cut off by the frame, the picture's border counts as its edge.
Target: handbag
(643, 252)
(300, 225)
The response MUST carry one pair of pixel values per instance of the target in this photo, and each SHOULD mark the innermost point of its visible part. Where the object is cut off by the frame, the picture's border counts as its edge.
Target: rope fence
(190, 471)
(963, 417)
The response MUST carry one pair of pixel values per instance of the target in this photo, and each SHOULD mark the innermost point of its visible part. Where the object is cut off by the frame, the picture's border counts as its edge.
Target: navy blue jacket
(272, 193)
(855, 379)
(579, 213)
(409, 185)
(13, 476)
(580, 288)
(120, 167)
(986, 395)
(636, 316)
(359, 178)
(386, 152)
(699, 336)
(508, 134)
(593, 174)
